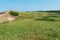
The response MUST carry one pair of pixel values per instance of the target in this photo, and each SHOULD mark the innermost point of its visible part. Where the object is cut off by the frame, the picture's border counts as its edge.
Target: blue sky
(29, 5)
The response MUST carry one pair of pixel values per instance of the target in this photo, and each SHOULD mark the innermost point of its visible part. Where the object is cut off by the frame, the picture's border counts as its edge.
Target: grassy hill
(32, 26)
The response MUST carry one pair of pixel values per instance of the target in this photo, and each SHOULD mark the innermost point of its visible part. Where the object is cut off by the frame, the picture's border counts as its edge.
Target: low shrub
(14, 13)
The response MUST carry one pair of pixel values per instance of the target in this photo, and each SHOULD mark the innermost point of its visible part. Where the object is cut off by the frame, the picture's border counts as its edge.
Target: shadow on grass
(54, 19)
(46, 20)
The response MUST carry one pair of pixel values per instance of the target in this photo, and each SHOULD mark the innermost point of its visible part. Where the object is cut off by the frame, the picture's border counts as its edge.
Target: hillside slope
(26, 27)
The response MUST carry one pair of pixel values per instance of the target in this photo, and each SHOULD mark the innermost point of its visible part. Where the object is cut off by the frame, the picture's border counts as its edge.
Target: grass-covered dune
(27, 27)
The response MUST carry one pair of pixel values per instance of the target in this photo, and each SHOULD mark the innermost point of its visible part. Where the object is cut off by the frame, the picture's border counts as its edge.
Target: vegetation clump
(14, 13)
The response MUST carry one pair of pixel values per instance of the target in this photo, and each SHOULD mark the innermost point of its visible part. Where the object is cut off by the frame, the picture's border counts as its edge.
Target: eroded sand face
(5, 16)
(10, 18)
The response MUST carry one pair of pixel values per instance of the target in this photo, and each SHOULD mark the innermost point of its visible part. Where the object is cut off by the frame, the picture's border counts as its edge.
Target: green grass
(29, 29)
(25, 27)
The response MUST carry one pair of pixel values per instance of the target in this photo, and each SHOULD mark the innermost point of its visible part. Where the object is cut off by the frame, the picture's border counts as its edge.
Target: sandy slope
(5, 16)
